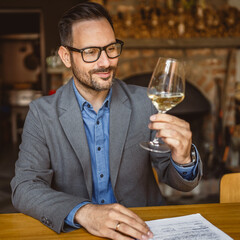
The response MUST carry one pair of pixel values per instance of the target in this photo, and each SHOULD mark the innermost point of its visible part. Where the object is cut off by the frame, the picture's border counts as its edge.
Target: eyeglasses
(92, 54)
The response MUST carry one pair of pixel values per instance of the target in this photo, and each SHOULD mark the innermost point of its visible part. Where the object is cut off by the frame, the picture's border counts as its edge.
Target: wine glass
(166, 89)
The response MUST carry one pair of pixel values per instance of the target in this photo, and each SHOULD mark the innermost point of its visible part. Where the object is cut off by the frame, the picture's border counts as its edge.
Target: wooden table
(224, 216)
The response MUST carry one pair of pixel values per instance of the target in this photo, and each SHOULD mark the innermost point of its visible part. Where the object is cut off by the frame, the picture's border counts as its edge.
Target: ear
(65, 56)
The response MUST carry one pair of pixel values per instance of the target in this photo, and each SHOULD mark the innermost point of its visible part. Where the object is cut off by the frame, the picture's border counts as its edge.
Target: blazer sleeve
(32, 193)
(168, 174)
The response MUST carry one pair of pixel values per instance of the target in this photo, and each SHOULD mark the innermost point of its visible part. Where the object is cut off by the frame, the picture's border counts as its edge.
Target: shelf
(22, 36)
(183, 43)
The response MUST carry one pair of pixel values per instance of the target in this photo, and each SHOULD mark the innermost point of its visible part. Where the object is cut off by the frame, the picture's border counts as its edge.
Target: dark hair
(81, 12)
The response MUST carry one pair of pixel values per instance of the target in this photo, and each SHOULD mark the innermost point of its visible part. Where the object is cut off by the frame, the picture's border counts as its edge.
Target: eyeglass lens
(92, 54)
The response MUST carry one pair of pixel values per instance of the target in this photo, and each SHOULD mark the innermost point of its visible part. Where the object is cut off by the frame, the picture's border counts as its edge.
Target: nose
(103, 60)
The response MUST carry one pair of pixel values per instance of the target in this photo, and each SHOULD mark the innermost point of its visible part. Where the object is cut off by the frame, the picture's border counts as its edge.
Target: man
(80, 163)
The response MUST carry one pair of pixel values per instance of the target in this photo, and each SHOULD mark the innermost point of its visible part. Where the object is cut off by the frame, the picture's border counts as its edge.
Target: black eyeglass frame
(100, 48)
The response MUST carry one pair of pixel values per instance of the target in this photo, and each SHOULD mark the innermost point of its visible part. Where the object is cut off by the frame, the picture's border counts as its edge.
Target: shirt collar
(82, 101)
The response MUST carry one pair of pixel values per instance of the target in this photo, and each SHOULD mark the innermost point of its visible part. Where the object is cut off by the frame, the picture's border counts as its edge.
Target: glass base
(155, 147)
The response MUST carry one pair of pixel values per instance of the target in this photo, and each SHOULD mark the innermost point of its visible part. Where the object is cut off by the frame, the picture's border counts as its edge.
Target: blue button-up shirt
(97, 132)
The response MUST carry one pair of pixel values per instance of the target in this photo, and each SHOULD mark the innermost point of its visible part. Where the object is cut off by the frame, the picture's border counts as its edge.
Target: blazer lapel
(120, 114)
(73, 126)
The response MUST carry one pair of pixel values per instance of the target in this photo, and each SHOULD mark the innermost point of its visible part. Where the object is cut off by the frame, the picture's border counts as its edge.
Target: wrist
(81, 213)
(192, 158)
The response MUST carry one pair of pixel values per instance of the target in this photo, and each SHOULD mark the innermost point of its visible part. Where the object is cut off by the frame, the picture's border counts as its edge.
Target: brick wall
(204, 66)
(207, 67)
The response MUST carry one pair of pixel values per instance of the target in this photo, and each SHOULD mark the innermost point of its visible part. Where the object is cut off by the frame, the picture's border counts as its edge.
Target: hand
(176, 133)
(102, 221)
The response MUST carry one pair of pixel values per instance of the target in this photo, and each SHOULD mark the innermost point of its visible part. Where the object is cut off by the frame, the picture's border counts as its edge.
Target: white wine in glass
(166, 89)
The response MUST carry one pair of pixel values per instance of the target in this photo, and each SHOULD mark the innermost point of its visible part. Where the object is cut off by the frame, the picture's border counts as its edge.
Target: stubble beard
(91, 82)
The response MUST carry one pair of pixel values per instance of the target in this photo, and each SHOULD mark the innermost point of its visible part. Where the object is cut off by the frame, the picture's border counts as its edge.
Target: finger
(112, 234)
(117, 235)
(177, 140)
(131, 231)
(170, 130)
(169, 119)
(127, 217)
(132, 228)
(175, 133)
(171, 125)
(180, 147)
(126, 212)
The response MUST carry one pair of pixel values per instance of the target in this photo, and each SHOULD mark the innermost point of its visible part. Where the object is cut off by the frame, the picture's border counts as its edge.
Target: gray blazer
(53, 171)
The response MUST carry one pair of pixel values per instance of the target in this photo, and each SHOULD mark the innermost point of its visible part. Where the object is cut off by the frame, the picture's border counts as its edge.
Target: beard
(92, 82)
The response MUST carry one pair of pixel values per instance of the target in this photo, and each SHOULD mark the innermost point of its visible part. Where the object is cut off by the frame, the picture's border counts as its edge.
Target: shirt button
(102, 201)
(99, 149)
(88, 105)
(101, 175)
(98, 122)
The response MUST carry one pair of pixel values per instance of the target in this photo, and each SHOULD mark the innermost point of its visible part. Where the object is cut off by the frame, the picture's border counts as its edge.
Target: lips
(103, 74)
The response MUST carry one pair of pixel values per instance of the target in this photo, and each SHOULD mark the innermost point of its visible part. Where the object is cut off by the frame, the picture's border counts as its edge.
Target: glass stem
(157, 141)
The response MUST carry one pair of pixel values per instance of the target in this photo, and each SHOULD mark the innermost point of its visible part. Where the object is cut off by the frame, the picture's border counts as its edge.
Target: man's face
(97, 75)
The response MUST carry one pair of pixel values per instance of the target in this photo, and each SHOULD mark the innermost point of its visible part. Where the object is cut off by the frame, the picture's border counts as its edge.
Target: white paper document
(190, 227)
